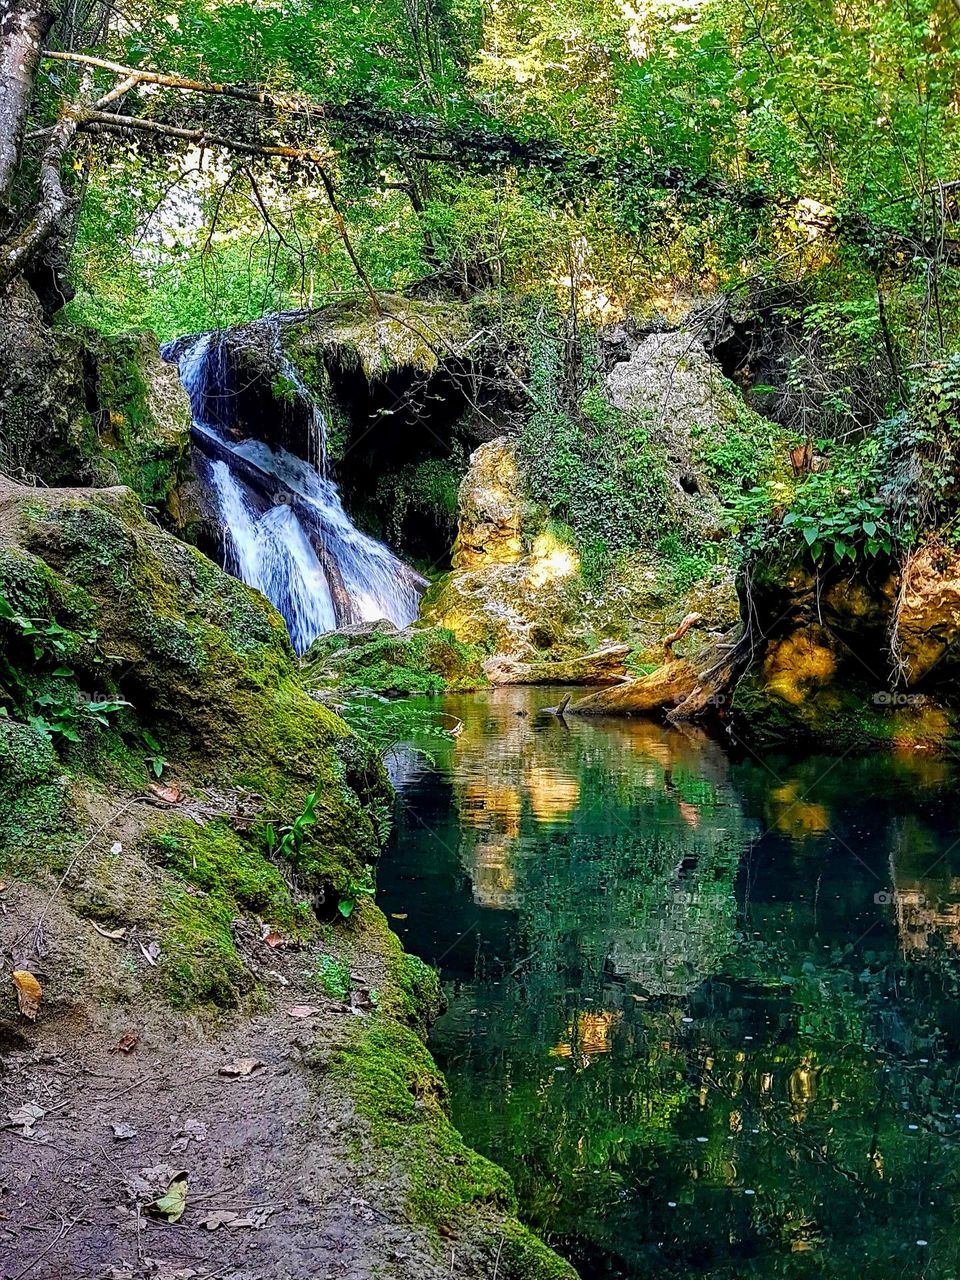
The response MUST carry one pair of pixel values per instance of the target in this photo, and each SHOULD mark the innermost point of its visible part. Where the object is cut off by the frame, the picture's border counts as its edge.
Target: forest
(479, 620)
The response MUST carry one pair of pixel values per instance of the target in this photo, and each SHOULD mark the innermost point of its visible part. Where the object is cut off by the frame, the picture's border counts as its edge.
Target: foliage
(591, 468)
(874, 496)
(43, 689)
(388, 723)
(357, 887)
(288, 841)
(333, 976)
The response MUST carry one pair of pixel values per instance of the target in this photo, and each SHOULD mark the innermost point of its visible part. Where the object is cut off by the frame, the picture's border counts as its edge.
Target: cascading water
(286, 532)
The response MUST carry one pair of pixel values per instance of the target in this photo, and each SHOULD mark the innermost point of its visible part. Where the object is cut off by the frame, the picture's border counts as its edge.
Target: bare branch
(97, 121)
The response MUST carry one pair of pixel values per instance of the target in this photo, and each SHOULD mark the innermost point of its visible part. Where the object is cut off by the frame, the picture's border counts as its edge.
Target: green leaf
(811, 533)
(174, 1200)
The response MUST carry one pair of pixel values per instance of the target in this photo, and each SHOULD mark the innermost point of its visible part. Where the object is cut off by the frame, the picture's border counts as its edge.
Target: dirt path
(280, 1148)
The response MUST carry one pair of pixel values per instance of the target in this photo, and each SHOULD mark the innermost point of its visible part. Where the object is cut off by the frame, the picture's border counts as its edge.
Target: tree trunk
(23, 29)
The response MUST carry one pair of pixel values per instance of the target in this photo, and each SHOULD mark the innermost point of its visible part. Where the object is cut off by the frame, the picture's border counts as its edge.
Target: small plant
(61, 716)
(156, 762)
(60, 712)
(357, 887)
(333, 977)
(288, 840)
(862, 525)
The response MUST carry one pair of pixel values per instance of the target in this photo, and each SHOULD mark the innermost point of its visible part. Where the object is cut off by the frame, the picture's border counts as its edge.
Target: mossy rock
(383, 659)
(395, 1086)
(78, 408)
(203, 661)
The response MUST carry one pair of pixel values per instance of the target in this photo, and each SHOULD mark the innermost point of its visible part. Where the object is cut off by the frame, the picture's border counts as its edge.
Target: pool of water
(704, 1007)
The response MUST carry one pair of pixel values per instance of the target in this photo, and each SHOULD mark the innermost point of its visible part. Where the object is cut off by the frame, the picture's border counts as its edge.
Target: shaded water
(704, 1009)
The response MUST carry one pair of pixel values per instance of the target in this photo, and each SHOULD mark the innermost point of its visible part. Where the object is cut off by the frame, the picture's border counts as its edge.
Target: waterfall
(285, 528)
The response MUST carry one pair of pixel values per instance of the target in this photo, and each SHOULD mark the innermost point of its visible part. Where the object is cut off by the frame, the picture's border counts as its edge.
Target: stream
(703, 1007)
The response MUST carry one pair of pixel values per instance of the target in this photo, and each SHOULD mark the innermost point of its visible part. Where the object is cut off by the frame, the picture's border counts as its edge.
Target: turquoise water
(702, 1006)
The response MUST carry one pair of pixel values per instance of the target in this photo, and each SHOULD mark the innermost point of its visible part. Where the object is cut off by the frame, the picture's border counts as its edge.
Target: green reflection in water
(703, 1008)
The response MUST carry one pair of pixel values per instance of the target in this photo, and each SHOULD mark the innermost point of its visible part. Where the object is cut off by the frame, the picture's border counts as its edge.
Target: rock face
(491, 510)
(516, 589)
(77, 408)
(605, 666)
(671, 384)
(856, 657)
(928, 616)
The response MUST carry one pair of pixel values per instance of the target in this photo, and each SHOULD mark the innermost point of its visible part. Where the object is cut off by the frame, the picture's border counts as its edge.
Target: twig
(67, 1226)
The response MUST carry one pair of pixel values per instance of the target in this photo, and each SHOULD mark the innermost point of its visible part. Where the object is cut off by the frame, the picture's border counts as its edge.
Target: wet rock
(604, 666)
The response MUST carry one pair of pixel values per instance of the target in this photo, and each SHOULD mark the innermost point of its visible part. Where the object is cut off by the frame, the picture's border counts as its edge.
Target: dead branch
(689, 621)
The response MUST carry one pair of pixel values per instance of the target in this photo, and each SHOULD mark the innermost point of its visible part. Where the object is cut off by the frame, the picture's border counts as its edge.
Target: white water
(290, 548)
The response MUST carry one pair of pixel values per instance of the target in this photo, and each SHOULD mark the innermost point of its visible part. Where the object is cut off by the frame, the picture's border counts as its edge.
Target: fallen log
(680, 688)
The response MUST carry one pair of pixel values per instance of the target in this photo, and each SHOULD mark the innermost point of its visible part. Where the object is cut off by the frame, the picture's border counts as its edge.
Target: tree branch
(99, 121)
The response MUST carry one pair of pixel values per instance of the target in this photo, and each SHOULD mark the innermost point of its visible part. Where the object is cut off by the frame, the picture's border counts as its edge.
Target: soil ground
(280, 1147)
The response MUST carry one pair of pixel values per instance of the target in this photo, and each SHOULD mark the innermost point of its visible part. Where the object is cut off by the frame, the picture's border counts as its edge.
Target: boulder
(604, 666)
(517, 589)
(201, 661)
(491, 509)
(382, 658)
(78, 408)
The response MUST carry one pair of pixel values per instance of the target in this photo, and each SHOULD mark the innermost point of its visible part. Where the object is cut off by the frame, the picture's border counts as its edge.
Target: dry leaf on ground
(25, 1117)
(169, 793)
(115, 935)
(123, 1130)
(29, 993)
(127, 1043)
(240, 1066)
(303, 1010)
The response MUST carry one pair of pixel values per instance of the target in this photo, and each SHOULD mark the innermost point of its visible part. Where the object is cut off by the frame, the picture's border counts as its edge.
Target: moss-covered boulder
(382, 658)
(108, 617)
(79, 408)
(517, 588)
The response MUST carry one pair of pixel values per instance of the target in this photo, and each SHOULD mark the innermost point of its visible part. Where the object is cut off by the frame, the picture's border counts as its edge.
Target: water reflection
(703, 1008)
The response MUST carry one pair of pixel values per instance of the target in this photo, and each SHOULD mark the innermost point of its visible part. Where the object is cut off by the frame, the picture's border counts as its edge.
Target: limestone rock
(78, 408)
(928, 621)
(672, 385)
(491, 509)
(605, 666)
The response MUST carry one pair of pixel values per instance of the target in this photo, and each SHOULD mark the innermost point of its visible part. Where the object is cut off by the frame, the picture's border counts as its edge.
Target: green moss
(217, 860)
(385, 660)
(34, 803)
(199, 960)
(397, 1089)
(219, 876)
